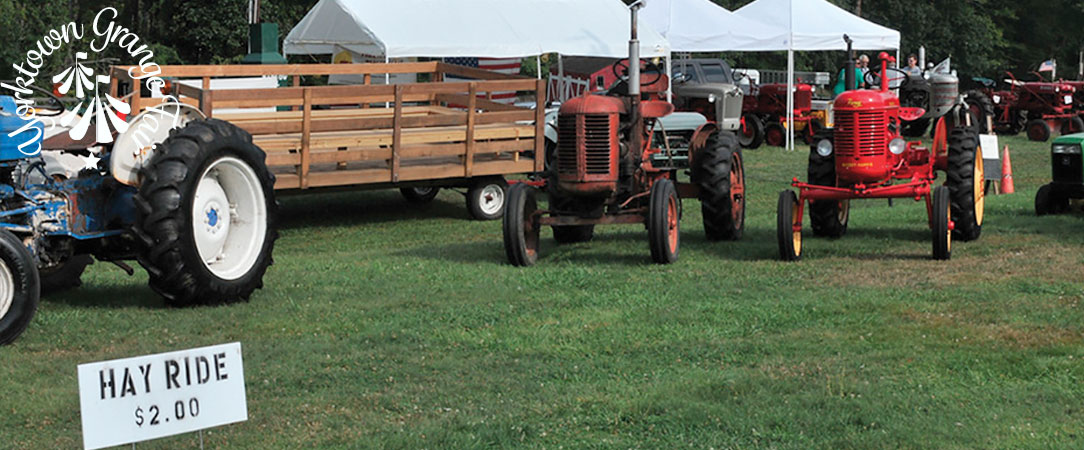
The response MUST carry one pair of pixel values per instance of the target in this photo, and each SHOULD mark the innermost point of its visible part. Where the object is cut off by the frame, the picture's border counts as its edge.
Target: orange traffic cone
(1006, 173)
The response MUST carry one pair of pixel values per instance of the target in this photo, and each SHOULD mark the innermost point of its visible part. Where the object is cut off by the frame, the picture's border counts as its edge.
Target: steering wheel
(871, 77)
(621, 71)
(52, 107)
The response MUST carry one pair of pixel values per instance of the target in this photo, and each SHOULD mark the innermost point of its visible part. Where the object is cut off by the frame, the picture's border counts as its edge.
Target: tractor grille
(861, 133)
(596, 140)
(1067, 168)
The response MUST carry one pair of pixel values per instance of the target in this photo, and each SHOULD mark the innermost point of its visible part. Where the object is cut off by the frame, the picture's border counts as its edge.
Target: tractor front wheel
(775, 135)
(789, 227)
(20, 287)
(420, 195)
(1072, 125)
(486, 198)
(720, 174)
(942, 235)
(1049, 201)
(751, 134)
(664, 222)
(521, 226)
(207, 211)
(1039, 130)
(965, 180)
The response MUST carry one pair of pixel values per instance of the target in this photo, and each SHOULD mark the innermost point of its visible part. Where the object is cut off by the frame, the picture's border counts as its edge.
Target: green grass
(388, 325)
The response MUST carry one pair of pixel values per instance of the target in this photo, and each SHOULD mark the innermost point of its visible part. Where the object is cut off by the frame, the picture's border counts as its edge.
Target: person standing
(859, 81)
(912, 66)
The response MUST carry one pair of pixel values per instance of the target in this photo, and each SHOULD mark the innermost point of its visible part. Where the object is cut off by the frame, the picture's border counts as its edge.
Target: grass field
(388, 325)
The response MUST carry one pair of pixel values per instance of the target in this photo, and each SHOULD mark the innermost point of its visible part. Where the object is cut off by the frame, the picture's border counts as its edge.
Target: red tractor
(614, 165)
(865, 156)
(1039, 107)
(764, 110)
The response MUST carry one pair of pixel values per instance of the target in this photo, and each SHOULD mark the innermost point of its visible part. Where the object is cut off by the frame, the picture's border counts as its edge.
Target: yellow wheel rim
(948, 230)
(796, 233)
(980, 181)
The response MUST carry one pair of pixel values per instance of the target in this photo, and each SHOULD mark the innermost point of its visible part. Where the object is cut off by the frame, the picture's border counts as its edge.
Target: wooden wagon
(418, 137)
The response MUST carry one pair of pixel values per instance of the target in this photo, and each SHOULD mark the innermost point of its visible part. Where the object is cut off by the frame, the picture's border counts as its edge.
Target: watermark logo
(96, 106)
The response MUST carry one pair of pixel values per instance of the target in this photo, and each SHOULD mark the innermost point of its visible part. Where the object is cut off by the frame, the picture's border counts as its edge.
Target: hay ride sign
(148, 397)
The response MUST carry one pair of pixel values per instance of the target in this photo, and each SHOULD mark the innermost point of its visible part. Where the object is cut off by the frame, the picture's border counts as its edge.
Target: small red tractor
(865, 156)
(614, 166)
(764, 111)
(1039, 107)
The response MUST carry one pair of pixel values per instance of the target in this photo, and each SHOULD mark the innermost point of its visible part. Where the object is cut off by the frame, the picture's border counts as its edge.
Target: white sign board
(991, 158)
(148, 397)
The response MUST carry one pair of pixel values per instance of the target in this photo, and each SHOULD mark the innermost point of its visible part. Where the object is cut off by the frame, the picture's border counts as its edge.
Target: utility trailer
(418, 137)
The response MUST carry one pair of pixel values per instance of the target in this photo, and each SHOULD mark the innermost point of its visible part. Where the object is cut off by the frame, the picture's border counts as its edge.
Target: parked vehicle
(766, 108)
(1038, 107)
(1067, 170)
(708, 86)
(865, 156)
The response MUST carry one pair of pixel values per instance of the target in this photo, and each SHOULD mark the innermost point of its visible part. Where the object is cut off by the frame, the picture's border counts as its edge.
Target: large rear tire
(966, 179)
(942, 236)
(207, 213)
(720, 175)
(664, 222)
(789, 227)
(20, 288)
(520, 226)
(828, 218)
(981, 107)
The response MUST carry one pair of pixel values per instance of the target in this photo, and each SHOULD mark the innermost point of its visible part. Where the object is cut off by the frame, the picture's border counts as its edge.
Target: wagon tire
(20, 288)
(420, 195)
(487, 197)
(206, 215)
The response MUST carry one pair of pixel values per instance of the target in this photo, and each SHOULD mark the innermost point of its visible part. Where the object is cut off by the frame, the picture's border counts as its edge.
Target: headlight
(897, 146)
(824, 147)
(1066, 149)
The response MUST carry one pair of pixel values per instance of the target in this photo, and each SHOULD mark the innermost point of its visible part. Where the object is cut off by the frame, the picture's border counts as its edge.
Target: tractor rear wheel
(20, 288)
(520, 226)
(1072, 125)
(720, 174)
(942, 235)
(1049, 201)
(1039, 130)
(664, 222)
(486, 198)
(828, 217)
(419, 195)
(774, 134)
(789, 227)
(207, 212)
(981, 107)
(751, 134)
(965, 179)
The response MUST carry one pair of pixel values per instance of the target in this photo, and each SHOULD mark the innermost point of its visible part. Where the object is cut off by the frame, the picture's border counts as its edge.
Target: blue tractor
(189, 198)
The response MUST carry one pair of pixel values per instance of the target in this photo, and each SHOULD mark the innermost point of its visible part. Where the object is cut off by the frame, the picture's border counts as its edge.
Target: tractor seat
(654, 109)
(908, 114)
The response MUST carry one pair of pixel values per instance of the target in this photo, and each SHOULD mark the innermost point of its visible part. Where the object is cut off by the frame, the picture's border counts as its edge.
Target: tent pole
(669, 82)
(538, 65)
(790, 100)
(560, 95)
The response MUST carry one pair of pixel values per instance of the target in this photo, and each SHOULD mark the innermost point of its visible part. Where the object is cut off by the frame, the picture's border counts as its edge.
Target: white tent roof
(819, 25)
(489, 28)
(703, 26)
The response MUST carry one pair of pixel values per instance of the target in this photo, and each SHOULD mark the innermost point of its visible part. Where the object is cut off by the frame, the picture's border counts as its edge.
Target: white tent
(482, 28)
(815, 25)
(703, 26)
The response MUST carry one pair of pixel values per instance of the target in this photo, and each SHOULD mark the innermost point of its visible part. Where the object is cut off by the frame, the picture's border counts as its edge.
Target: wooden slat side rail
(470, 72)
(286, 159)
(461, 99)
(181, 89)
(306, 138)
(540, 126)
(246, 70)
(397, 133)
(469, 160)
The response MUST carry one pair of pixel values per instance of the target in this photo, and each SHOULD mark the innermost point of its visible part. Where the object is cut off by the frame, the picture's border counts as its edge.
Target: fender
(135, 147)
(699, 139)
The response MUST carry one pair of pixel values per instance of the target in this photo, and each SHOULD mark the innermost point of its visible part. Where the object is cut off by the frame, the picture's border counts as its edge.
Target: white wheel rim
(7, 289)
(491, 199)
(229, 218)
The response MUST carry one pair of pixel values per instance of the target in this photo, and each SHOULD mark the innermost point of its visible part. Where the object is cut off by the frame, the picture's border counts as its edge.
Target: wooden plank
(487, 105)
(410, 136)
(282, 159)
(137, 97)
(504, 116)
(254, 70)
(206, 102)
(483, 168)
(187, 91)
(351, 155)
(306, 137)
(540, 126)
(408, 152)
(473, 100)
(397, 133)
(471, 72)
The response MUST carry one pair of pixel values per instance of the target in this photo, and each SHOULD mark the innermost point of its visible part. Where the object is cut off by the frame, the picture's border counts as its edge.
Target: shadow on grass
(117, 297)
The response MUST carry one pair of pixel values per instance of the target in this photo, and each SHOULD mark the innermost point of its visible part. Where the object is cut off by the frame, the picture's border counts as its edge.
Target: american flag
(1048, 66)
(509, 66)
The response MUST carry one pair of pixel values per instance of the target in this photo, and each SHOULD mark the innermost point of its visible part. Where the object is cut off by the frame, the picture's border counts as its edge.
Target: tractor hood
(866, 99)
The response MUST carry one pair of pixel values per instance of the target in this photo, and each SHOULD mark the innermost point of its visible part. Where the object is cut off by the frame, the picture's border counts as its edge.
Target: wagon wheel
(486, 198)
(421, 194)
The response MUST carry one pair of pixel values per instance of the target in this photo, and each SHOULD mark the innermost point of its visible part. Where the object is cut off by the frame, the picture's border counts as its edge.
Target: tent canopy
(482, 28)
(818, 25)
(703, 26)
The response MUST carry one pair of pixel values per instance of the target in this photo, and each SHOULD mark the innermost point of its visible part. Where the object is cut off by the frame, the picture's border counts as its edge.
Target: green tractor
(1068, 171)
